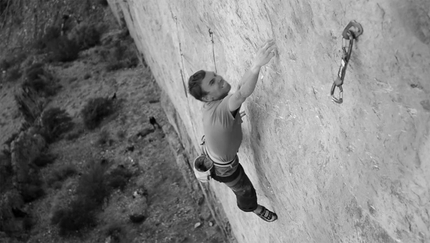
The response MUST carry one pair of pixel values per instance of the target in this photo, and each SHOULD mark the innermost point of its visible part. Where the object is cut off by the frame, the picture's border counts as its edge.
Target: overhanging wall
(354, 172)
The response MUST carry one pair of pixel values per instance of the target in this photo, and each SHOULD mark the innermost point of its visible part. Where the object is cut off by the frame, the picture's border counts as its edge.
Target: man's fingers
(267, 44)
(271, 49)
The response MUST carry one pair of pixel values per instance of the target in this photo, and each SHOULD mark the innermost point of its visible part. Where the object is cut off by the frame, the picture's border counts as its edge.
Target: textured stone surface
(355, 172)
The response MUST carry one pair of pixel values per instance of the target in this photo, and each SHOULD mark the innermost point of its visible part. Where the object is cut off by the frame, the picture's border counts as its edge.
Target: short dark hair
(194, 85)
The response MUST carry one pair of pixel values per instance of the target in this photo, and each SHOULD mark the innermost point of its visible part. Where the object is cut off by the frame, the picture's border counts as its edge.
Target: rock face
(352, 172)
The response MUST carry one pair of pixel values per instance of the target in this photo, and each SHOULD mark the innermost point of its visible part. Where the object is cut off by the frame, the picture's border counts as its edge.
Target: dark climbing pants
(242, 187)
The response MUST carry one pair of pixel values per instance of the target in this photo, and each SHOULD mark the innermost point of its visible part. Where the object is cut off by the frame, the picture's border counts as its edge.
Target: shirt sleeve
(223, 113)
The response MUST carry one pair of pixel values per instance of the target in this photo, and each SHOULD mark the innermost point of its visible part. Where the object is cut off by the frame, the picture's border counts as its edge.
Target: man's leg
(244, 191)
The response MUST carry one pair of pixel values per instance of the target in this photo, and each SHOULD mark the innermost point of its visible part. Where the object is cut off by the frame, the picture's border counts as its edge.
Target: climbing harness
(348, 35)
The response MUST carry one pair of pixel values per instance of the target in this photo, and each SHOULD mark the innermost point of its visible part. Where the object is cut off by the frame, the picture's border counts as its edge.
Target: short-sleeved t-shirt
(223, 132)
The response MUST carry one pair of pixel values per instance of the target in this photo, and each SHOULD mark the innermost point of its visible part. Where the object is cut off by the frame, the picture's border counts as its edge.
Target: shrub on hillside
(95, 110)
(78, 215)
(104, 138)
(3, 6)
(91, 192)
(51, 35)
(118, 178)
(44, 159)
(104, 3)
(11, 65)
(55, 122)
(6, 171)
(116, 232)
(32, 188)
(92, 185)
(9, 200)
(63, 50)
(86, 36)
(123, 56)
(13, 74)
(40, 80)
(61, 173)
(30, 192)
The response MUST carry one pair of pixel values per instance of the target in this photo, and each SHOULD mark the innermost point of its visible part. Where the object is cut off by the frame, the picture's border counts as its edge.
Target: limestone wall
(352, 172)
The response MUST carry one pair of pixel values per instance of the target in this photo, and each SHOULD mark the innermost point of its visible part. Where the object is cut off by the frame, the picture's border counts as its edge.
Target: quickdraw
(349, 35)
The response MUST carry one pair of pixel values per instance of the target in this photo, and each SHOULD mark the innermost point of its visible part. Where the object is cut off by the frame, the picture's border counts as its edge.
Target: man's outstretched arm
(249, 80)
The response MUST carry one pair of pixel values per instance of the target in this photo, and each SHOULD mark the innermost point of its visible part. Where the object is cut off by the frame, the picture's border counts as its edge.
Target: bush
(43, 159)
(31, 192)
(11, 65)
(91, 192)
(3, 6)
(6, 171)
(86, 36)
(75, 133)
(123, 56)
(118, 178)
(51, 35)
(55, 122)
(117, 232)
(92, 185)
(78, 215)
(104, 3)
(61, 173)
(63, 50)
(27, 223)
(13, 74)
(40, 80)
(104, 138)
(32, 188)
(95, 110)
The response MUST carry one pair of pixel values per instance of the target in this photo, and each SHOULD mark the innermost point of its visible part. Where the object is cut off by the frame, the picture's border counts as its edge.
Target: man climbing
(222, 124)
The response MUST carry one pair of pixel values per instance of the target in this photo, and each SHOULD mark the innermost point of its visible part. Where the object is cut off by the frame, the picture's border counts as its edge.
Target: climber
(222, 125)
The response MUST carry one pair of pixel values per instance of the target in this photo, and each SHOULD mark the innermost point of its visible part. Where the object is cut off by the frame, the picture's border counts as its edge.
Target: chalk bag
(202, 166)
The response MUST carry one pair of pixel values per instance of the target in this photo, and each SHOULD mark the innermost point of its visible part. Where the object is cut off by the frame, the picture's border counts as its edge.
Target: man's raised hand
(265, 54)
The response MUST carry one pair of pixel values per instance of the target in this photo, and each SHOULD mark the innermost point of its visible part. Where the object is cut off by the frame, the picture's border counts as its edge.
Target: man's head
(208, 86)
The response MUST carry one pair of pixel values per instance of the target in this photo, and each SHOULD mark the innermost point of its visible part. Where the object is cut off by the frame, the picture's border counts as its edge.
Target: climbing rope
(211, 35)
(348, 35)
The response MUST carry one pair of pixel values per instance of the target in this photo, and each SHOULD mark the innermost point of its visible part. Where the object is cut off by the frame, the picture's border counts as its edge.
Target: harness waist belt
(218, 162)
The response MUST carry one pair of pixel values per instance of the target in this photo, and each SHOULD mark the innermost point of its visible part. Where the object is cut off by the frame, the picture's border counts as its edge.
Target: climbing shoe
(266, 214)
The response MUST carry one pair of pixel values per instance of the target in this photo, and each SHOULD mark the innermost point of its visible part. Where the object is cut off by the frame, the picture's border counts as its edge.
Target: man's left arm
(249, 80)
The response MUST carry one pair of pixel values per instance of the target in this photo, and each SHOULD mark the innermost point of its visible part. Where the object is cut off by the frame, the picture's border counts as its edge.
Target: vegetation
(118, 178)
(61, 173)
(5, 170)
(122, 57)
(116, 232)
(40, 80)
(91, 192)
(51, 34)
(104, 138)
(11, 65)
(55, 122)
(86, 36)
(44, 159)
(95, 110)
(104, 3)
(63, 50)
(32, 189)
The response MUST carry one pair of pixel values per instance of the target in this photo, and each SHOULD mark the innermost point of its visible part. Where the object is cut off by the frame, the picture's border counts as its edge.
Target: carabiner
(348, 34)
(337, 83)
(355, 34)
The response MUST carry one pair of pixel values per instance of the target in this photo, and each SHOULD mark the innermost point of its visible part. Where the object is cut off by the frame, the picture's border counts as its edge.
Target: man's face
(216, 87)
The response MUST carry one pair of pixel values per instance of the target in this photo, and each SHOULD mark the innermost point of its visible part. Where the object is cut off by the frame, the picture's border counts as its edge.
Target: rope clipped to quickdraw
(349, 35)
